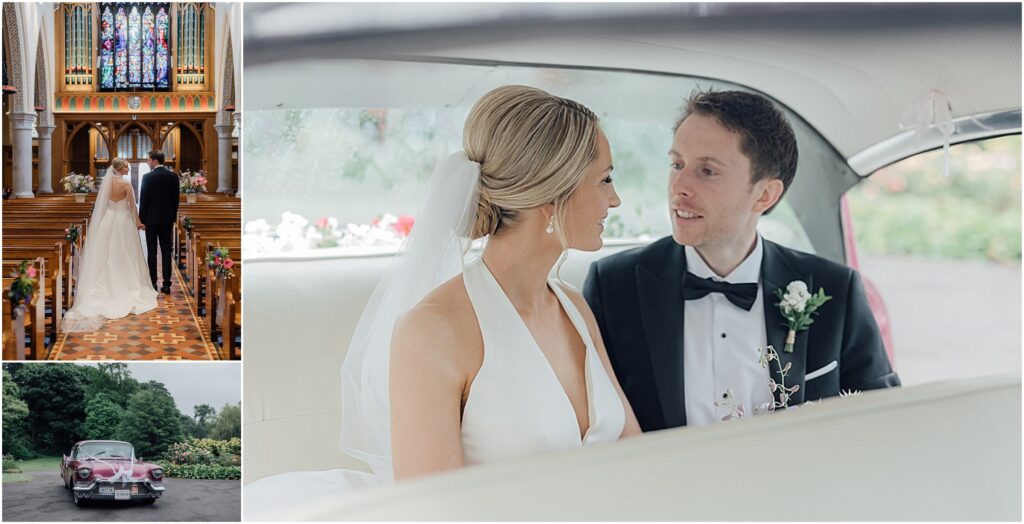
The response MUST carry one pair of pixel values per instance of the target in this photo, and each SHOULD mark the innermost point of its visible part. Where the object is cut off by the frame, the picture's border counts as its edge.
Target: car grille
(142, 487)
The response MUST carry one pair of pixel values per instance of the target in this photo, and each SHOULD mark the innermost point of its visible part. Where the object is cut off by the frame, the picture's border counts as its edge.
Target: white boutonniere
(797, 306)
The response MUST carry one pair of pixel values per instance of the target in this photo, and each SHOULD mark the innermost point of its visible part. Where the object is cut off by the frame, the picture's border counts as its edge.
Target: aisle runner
(169, 332)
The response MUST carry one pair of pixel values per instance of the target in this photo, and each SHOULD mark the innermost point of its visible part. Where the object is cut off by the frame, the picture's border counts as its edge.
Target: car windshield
(105, 450)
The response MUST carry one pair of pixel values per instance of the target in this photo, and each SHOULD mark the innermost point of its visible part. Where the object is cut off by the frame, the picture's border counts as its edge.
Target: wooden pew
(223, 299)
(41, 238)
(34, 318)
(209, 239)
(50, 280)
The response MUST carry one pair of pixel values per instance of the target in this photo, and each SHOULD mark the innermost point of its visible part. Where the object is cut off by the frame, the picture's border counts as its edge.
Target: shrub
(205, 452)
(202, 471)
(10, 464)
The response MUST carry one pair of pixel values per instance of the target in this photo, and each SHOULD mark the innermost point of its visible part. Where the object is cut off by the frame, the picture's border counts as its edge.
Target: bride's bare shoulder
(443, 323)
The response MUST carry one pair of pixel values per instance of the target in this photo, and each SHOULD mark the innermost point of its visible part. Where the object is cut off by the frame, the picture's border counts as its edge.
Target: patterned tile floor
(169, 332)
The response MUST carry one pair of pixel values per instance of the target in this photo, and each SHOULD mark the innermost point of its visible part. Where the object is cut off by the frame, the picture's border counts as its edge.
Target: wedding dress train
(113, 280)
(516, 406)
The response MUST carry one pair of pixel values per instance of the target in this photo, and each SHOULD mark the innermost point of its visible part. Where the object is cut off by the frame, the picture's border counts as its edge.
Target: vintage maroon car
(108, 470)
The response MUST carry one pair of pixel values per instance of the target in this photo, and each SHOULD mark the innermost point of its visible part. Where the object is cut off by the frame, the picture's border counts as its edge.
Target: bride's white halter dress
(516, 406)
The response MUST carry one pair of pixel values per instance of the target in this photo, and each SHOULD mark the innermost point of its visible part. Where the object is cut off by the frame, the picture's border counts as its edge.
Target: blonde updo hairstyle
(533, 149)
(119, 164)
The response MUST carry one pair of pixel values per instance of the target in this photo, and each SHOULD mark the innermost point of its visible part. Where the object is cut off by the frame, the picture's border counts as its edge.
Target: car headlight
(84, 472)
(157, 473)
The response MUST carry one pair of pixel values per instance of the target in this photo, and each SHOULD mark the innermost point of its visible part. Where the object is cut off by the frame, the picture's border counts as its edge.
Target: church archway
(85, 152)
(191, 149)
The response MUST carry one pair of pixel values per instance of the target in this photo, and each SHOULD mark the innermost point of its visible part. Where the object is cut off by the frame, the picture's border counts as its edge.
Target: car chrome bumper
(146, 489)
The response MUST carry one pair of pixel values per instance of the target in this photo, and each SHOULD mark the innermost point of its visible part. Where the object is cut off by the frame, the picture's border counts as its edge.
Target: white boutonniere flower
(798, 306)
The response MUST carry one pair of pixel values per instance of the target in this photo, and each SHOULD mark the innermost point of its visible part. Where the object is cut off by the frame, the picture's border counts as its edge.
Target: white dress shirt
(720, 345)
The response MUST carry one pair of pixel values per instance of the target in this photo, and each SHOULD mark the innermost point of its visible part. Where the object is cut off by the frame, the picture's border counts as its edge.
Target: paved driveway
(44, 498)
(951, 318)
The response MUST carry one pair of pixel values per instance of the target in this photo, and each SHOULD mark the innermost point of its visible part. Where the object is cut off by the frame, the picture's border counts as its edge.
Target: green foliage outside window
(912, 208)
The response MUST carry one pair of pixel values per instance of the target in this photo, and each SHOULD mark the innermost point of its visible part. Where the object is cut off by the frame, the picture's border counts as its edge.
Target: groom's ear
(770, 191)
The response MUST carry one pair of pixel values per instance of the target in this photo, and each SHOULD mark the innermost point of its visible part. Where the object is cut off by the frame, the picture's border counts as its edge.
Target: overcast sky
(191, 383)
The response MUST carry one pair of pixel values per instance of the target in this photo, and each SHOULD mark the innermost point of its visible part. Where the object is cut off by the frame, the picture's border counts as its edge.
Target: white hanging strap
(931, 110)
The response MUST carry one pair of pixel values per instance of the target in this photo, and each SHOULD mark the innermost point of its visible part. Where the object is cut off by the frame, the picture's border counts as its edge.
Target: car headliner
(853, 72)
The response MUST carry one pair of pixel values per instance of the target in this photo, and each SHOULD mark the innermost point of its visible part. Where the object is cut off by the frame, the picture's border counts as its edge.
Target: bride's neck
(521, 264)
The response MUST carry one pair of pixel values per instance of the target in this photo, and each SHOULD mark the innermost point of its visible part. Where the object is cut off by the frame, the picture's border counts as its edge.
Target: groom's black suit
(158, 209)
(637, 299)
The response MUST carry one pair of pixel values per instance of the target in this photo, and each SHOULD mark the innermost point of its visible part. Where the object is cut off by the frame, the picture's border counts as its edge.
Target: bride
(453, 363)
(113, 279)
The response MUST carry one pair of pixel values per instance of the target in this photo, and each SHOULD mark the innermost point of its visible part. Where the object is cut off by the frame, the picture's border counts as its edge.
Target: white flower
(796, 287)
(257, 227)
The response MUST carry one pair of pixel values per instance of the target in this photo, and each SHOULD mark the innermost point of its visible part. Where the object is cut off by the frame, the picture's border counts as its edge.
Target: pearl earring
(551, 226)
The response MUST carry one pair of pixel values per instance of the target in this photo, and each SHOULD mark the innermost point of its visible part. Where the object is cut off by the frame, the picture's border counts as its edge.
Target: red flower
(31, 272)
(228, 263)
(322, 222)
(403, 225)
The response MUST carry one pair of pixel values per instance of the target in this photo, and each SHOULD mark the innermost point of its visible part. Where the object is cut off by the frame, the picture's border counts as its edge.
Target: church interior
(85, 83)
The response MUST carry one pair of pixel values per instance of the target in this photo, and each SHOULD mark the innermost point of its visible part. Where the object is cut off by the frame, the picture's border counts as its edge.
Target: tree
(203, 413)
(15, 414)
(114, 379)
(151, 422)
(228, 424)
(190, 428)
(55, 395)
(102, 417)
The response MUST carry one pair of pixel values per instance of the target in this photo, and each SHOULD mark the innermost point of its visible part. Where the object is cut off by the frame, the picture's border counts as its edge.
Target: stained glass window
(148, 49)
(163, 46)
(121, 48)
(134, 46)
(107, 49)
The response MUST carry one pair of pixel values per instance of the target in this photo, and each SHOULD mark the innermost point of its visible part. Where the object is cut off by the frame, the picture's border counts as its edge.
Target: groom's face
(712, 199)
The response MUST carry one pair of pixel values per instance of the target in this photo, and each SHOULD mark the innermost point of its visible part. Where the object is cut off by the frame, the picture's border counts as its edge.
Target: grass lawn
(36, 464)
(40, 464)
(16, 477)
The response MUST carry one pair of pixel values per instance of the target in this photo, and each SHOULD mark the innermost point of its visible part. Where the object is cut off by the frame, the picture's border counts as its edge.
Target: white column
(45, 158)
(224, 157)
(21, 148)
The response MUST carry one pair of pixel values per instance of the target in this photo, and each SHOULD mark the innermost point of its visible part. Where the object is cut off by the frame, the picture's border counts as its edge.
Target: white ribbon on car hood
(120, 474)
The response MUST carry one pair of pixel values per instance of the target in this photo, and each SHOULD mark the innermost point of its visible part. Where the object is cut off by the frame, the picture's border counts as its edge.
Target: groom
(684, 317)
(158, 210)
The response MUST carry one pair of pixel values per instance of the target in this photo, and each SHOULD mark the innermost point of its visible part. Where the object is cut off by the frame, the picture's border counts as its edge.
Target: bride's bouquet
(192, 183)
(75, 183)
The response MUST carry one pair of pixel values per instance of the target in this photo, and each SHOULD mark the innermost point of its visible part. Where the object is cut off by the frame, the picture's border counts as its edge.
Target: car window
(106, 449)
(361, 153)
(944, 253)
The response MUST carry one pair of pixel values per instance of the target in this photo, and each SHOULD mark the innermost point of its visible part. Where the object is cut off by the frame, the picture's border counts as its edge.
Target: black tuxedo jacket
(637, 298)
(159, 200)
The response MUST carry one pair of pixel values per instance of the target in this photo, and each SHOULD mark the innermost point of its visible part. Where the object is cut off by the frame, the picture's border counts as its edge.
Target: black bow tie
(743, 295)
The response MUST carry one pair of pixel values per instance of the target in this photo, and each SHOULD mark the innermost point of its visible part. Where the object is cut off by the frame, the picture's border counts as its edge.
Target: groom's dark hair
(767, 139)
(157, 155)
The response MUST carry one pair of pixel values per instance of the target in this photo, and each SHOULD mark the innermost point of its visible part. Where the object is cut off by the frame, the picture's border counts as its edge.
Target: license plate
(122, 494)
(106, 490)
